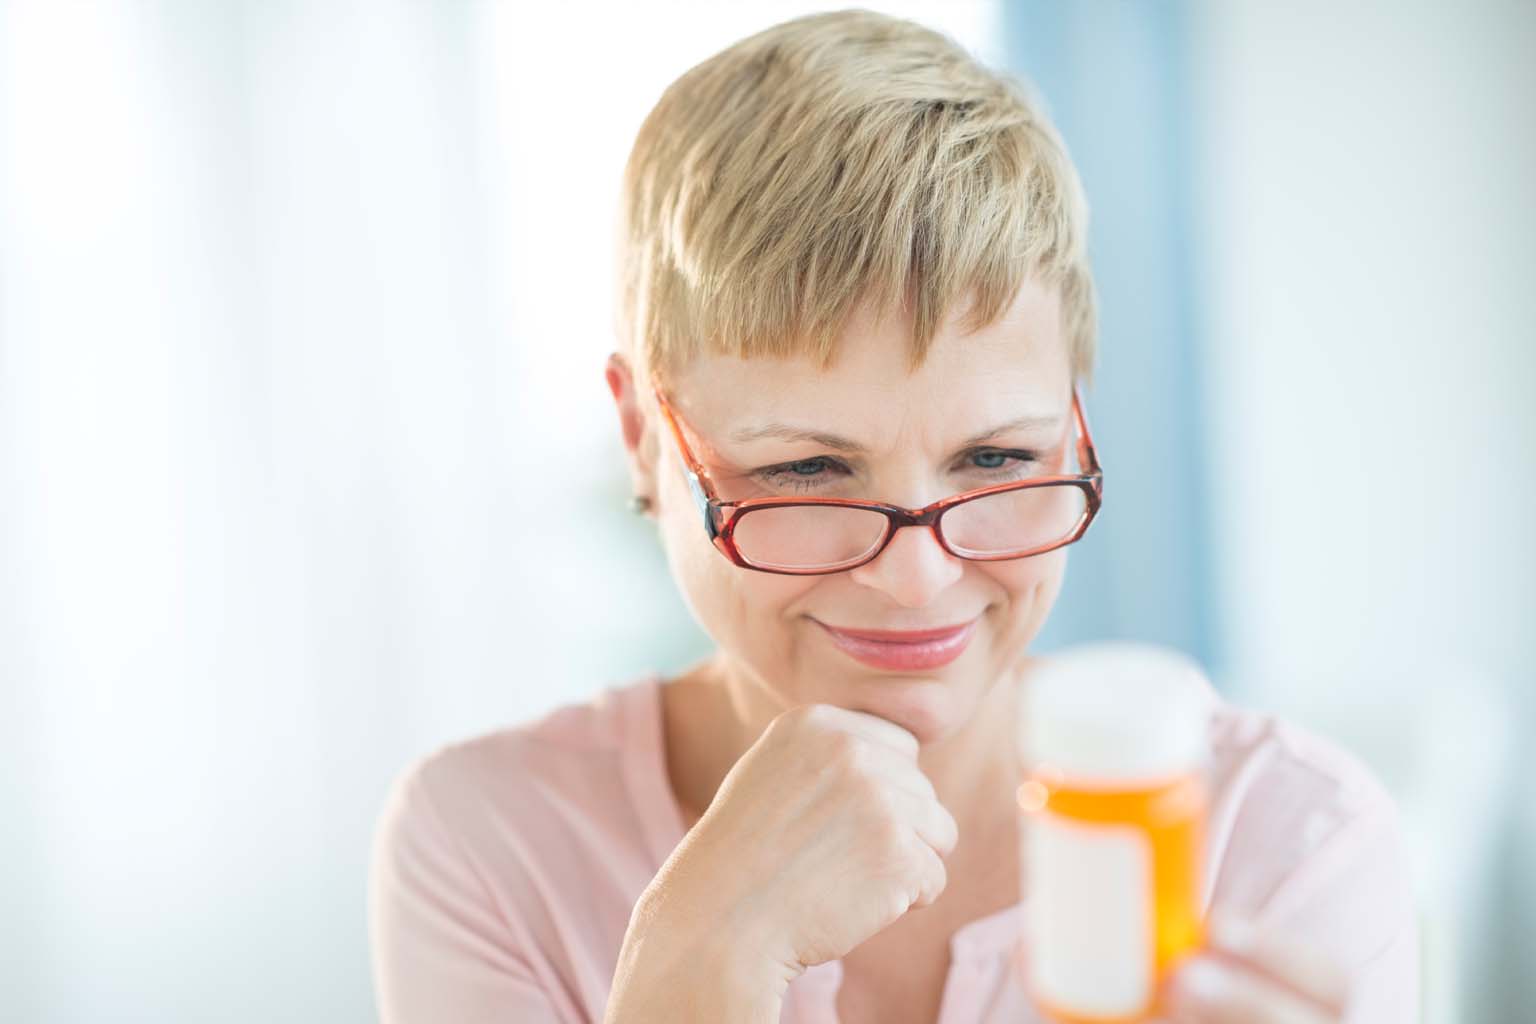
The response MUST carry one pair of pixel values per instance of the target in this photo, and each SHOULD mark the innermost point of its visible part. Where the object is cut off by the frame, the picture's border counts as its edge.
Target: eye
(806, 467)
(992, 459)
(802, 474)
(805, 474)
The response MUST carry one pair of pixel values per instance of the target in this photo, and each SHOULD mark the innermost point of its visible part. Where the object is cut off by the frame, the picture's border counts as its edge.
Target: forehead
(1018, 363)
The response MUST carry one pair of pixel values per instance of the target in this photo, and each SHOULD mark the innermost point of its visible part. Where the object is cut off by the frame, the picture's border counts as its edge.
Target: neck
(975, 768)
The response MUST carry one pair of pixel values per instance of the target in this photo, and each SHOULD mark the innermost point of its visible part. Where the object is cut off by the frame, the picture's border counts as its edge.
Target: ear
(635, 425)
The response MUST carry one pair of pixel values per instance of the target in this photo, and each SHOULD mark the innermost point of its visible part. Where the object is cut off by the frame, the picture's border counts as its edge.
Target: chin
(929, 706)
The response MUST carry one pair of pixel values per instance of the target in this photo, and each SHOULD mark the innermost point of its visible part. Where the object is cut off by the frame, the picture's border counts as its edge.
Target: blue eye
(792, 474)
(998, 455)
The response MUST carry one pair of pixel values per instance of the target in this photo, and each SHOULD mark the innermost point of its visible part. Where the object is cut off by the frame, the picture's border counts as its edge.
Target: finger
(1212, 991)
(930, 819)
(899, 771)
(872, 727)
(1301, 968)
(934, 877)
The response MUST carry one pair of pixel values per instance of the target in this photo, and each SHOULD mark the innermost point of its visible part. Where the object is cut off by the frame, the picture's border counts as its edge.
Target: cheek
(1032, 585)
(729, 603)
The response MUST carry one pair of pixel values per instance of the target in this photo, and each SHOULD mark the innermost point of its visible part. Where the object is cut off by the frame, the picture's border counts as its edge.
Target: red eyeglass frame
(720, 523)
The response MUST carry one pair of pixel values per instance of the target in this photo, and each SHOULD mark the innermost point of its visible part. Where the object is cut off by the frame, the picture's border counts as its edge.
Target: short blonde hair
(835, 159)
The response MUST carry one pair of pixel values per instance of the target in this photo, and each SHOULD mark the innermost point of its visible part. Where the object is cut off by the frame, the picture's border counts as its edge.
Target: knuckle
(884, 801)
(872, 798)
(802, 726)
(847, 753)
(793, 719)
(819, 715)
(891, 836)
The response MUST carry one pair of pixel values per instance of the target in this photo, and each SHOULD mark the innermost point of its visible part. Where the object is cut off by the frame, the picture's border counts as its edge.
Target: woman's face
(914, 429)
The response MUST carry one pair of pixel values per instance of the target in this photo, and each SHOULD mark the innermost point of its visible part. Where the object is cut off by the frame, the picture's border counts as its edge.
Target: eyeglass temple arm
(698, 484)
(1087, 455)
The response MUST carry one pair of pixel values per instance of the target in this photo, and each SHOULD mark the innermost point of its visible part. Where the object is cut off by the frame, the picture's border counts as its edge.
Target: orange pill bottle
(1115, 744)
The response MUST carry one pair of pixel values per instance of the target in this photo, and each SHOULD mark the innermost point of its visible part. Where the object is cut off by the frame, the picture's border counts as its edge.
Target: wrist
(680, 963)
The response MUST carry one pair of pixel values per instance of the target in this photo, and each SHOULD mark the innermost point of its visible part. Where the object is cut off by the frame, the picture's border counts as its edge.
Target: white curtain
(306, 460)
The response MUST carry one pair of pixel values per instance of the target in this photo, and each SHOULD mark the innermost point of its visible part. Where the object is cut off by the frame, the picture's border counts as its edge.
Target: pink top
(505, 867)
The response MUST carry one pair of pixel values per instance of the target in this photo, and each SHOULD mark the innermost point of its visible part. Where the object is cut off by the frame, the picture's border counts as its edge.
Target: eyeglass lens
(827, 537)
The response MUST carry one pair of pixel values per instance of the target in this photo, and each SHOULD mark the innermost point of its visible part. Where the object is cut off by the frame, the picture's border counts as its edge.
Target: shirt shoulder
(575, 787)
(536, 838)
(573, 752)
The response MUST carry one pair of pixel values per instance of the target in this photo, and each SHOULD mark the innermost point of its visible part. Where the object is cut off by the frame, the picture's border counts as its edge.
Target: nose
(913, 569)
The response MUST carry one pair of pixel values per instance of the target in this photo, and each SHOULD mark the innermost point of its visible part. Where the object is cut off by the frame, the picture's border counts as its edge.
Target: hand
(823, 833)
(1247, 977)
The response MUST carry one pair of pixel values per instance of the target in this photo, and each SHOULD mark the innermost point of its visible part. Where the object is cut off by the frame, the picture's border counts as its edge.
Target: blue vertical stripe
(1112, 78)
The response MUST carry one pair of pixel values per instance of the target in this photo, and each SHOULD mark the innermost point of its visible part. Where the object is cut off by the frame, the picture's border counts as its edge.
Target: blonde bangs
(832, 161)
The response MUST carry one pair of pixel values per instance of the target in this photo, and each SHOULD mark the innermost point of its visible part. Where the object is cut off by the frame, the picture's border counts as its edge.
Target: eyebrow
(785, 432)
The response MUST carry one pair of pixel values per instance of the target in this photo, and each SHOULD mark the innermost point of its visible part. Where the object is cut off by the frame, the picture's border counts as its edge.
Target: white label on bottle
(1089, 913)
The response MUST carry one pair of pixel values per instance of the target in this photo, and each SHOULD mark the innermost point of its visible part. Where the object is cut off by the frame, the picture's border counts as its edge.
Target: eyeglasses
(813, 536)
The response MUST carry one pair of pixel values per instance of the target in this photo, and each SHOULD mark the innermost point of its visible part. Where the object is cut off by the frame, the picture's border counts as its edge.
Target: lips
(888, 636)
(903, 650)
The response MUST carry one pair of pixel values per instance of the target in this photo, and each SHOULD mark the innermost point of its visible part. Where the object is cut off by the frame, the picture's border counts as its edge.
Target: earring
(639, 504)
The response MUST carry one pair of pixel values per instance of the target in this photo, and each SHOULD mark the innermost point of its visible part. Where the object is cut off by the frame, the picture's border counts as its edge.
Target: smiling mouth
(905, 650)
(902, 636)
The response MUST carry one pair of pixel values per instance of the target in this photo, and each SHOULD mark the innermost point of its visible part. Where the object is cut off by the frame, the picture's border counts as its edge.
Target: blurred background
(307, 465)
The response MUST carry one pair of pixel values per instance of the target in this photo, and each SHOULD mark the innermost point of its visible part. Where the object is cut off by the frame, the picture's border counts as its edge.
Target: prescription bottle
(1115, 745)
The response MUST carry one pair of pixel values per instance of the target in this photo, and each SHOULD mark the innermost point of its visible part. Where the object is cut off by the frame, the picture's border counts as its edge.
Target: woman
(852, 266)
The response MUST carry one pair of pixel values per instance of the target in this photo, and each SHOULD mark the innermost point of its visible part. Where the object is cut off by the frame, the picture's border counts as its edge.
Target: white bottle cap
(1116, 712)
